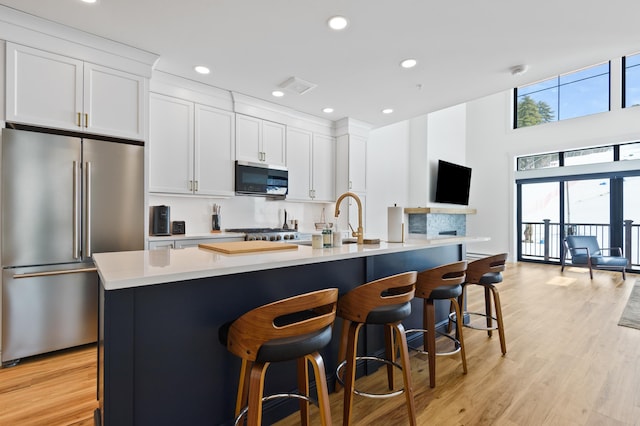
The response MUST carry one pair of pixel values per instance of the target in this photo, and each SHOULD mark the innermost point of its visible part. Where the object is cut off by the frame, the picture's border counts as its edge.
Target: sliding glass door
(603, 206)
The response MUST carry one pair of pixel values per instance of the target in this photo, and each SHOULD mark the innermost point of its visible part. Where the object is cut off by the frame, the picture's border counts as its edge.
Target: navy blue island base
(160, 360)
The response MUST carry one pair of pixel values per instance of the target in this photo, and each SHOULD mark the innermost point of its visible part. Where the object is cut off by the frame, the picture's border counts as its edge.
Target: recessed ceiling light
(387, 111)
(200, 69)
(277, 93)
(327, 110)
(338, 23)
(89, 1)
(408, 63)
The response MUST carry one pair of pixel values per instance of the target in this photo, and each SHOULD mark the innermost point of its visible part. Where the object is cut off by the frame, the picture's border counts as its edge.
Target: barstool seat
(293, 328)
(389, 314)
(440, 283)
(386, 302)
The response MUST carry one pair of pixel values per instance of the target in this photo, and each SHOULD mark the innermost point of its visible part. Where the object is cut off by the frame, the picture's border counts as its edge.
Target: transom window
(631, 80)
(571, 95)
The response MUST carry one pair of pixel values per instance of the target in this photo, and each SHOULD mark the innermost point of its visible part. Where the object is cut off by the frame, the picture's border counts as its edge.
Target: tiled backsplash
(240, 212)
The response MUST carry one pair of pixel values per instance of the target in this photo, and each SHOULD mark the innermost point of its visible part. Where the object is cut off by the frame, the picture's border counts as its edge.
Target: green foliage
(531, 112)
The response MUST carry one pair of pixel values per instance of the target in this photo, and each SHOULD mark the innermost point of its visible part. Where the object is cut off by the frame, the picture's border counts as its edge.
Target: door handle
(86, 120)
(50, 273)
(87, 240)
(79, 120)
(76, 193)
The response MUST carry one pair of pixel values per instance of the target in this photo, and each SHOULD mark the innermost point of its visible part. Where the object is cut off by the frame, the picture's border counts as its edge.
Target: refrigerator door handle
(50, 273)
(76, 222)
(87, 241)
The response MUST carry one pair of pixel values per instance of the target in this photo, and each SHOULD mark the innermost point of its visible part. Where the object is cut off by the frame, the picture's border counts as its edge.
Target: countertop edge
(122, 270)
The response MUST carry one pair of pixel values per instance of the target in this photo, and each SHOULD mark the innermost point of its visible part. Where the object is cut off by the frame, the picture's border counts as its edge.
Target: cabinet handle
(190, 185)
(350, 185)
(196, 186)
(86, 120)
(78, 121)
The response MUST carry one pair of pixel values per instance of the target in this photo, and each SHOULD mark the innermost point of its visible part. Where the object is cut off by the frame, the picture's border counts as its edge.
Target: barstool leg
(463, 354)
(342, 349)
(429, 323)
(303, 389)
(350, 371)
(496, 299)
(256, 390)
(243, 387)
(389, 353)
(488, 310)
(406, 372)
(321, 387)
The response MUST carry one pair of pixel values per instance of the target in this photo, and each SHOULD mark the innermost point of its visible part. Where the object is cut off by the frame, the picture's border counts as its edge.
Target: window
(566, 96)
(541, 161)
(630, 151)
(631, 91)
(589, 156)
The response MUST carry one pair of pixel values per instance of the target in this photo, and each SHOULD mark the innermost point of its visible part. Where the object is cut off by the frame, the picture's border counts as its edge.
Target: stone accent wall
(432, 224)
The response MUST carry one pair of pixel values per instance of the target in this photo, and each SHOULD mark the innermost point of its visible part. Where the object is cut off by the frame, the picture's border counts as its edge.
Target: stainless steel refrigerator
(62, 199)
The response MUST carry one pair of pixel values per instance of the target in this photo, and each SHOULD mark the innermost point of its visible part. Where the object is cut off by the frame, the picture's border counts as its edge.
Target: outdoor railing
(541, 240)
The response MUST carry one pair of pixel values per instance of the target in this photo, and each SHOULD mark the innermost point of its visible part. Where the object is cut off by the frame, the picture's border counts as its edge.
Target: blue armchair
(585, 251)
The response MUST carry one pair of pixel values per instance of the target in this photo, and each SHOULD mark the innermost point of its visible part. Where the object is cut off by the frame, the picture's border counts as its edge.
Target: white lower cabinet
(179, 243)
(191, 147)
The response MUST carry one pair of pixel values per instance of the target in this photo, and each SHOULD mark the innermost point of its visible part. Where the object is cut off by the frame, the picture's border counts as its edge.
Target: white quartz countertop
(129, 269)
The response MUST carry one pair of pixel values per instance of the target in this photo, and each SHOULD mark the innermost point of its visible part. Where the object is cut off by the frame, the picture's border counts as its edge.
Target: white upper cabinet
(260, 140)
(310, 160)
(357, 164)
(113, 102)
(170, 144)
(51, 90)
(323, 168)
(299, 160)
(191, 147)
(214, 151)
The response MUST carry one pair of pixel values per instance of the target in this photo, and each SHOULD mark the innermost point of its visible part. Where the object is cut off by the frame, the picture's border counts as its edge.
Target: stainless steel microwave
(261, 179)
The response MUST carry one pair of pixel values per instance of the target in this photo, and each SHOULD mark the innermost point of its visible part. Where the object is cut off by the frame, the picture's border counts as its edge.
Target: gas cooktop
(267, 234)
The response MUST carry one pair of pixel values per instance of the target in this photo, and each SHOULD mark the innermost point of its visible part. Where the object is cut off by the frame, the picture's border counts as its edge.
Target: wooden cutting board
(234, 247)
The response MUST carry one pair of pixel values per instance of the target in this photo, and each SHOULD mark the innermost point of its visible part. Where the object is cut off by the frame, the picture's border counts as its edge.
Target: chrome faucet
(359, 234)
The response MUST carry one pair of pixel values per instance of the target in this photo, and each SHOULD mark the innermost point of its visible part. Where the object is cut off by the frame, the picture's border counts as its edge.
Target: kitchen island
(159, 358)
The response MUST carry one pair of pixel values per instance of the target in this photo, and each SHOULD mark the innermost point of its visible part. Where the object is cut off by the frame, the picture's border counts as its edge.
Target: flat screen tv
(452, 184)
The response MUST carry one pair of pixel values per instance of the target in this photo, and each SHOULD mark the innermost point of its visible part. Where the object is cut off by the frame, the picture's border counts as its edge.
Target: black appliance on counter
(161, 220)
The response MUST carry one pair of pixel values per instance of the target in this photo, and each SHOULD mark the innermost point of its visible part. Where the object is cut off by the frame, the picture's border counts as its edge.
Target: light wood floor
(568, 363)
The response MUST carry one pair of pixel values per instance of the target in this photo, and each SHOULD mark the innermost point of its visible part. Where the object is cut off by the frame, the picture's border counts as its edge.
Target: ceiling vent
(297, 85)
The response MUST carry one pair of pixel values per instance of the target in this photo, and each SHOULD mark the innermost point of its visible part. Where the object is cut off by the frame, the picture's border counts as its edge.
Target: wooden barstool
(386, 302)
(486, 272)
(440, 283)
(293, 328)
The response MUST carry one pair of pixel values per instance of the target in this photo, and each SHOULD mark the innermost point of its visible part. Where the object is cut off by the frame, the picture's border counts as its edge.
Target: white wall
(402, 161)
(492, 146)
(387, 175)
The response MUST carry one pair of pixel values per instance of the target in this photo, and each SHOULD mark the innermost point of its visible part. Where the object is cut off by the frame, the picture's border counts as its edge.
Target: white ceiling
(464, 48)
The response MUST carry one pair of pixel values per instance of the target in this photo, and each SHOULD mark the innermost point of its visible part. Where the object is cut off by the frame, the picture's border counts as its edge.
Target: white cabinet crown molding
(30, 30)
(350, 126)
(259, 108)
(179, 87)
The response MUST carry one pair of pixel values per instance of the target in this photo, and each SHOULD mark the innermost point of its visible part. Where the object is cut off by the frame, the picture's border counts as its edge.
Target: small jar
(316, 241)
(337, 239)
(327, 238)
